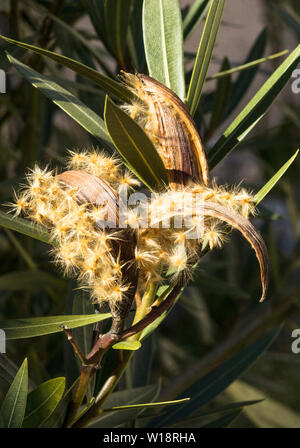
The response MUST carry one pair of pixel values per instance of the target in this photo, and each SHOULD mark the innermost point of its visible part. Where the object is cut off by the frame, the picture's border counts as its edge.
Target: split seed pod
(169, 125)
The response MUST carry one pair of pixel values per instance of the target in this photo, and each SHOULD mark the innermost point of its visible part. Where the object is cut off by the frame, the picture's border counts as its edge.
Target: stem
(141, 320)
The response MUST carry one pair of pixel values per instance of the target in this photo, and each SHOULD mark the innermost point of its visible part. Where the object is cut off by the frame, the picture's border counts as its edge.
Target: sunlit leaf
(204, 54)
(147, 405)
(124, 398)
(109, 85)
(25, 227)
(273, 181)
(135, 147)
(14, 404)
(38, 326)
(87, 118)
(127, 345)
(42, 401)
(162, 27)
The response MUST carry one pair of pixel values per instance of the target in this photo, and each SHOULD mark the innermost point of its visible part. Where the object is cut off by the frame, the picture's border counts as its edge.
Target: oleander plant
(128, 297)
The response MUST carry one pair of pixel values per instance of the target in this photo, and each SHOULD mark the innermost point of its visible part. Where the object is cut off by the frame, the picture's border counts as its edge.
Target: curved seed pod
(168, 124)
(215, 210)
(94, 191)
(249, 232)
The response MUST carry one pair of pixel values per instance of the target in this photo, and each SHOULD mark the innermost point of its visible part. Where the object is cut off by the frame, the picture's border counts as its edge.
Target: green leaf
(124, 398)
(135, 147)
(273, 181)
(42, 401)
(204, 54)
(162, 294)
(127, 345)
(109, 85)
(19, 280)
(38, 326)
(25, 227)
(14, 404)
(254, 110)
(117, 17)
(218, 380)
(56, 419)
(195, 14)
(162, 28)
(246, 66)
(146, 405)
(87, 118)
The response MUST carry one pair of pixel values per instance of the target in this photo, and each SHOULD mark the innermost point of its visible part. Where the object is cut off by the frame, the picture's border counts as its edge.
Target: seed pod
(92, 190)
(169, 125)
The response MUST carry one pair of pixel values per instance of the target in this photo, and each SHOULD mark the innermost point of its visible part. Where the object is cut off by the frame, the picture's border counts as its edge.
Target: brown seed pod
(169, 125)
(94, 191)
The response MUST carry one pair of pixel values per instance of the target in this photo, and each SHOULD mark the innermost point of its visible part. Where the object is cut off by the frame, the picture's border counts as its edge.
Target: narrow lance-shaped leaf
(109, 85)
(162, 28)
(246, 66)
(14, 404)
(87, 118)
(147, 405)
(254, 110)
(135, 147)
(42, 401)
(204, 54)
(38, 326)
(57, 417)
(25, 227)
(125, 397)
(273, 181)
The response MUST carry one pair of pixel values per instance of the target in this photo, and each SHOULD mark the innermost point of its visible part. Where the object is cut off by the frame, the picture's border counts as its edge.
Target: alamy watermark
(296, 82)
(2, 81)
(181, 211)
(295, 347)
(2, 341)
